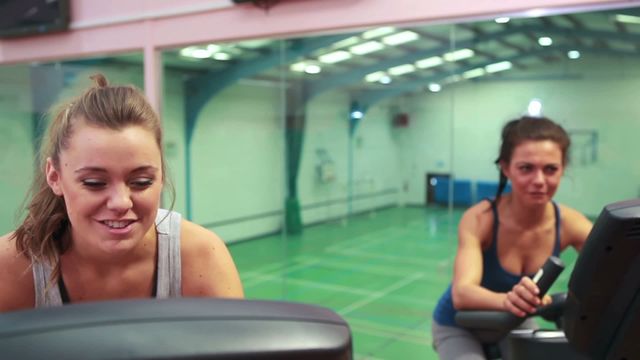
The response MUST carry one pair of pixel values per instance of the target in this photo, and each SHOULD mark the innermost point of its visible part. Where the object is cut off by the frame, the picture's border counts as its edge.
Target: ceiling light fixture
(429, 62)
(473, 73)
(545, 41)
(628, 19)
(366, 48)
(499, 66)
(458, 55)
(400, 38)
(381, 31)
(196, 52)
(222, 56)
(312, 69)
(375, 77)
(402, 69)
(385, 80)
(334, 57)
(345, 42)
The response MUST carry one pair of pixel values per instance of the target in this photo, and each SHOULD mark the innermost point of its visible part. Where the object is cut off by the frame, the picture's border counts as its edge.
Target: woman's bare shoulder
(575, 226)
(207, 266)
(16, 279)
(197, 240)
(479, 214)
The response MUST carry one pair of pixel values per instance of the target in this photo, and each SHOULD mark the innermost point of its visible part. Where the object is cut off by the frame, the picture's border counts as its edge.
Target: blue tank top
(494, 277)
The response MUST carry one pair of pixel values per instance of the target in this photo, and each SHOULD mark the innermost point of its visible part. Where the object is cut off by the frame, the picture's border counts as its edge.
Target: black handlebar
(548, 273)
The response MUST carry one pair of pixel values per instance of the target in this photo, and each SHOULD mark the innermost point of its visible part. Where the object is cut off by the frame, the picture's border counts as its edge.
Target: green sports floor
(383, 272)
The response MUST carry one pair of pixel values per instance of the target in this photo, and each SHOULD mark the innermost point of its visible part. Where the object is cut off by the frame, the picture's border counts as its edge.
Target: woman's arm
(467, 292)
(477, 224)
(16, 278)
(207, 266)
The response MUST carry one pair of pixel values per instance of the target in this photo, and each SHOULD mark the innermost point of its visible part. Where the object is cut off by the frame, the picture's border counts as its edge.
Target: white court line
(247, 275)
(368, 238)
(311, 284)
(365, 268)
(379, 294)
(403, 299)
(253, 275)
(368, 255)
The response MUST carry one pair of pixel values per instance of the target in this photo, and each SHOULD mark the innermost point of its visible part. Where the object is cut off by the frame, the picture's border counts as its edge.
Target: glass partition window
(336, 167)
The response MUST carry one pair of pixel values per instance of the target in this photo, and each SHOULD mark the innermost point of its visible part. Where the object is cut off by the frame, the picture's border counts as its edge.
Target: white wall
(374, 174)
(237, 163)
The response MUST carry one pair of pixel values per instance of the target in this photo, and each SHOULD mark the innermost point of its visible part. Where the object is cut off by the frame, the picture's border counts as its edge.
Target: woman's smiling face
(111, 182)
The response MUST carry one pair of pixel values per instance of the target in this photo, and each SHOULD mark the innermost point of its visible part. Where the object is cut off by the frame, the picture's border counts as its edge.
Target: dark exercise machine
(599, 316)
(187, 328)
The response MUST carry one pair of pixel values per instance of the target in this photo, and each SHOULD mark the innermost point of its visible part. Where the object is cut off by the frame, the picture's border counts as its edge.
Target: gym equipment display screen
(29, 17)
(602, 315)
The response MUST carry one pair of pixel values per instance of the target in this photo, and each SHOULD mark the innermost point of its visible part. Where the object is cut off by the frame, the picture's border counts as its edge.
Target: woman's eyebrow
(100, 169)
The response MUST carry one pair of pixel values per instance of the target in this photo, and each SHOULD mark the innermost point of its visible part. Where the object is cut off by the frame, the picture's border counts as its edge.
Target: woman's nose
(539, 177)
(119, 199)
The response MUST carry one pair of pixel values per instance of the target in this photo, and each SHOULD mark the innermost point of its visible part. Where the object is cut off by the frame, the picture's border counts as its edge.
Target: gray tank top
(169, 273)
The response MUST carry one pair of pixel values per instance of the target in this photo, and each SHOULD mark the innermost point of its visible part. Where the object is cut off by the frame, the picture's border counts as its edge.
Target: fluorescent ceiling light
(376, 76)
(434, 87)
(312, 69)
(213, 48)
(629, 19)
(196, 52)
(221, 56)
(429, 62)
(502, 20)
(573, 54)
(474, 73)
(402, 69)
(305, 67)
(370, 34)
(298, 67)
(452, 78)
(545, 41)
(346, 42)
(366, 48)
(253, 44)
(385, 80)
(400, 38)
(535, 108)
(499, 66)
(458, 55)
(334, 57)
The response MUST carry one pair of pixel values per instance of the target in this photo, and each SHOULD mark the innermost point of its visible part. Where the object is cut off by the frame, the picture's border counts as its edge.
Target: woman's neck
(526, 216)
(93, 259)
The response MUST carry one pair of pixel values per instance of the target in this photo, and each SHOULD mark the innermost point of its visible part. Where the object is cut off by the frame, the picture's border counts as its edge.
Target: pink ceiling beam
(116, 26)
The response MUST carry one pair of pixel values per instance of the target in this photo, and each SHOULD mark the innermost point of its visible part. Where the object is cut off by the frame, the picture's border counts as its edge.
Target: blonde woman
(93, 229)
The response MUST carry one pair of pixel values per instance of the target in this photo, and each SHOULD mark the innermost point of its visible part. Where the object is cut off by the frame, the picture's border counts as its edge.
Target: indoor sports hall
(336, 155)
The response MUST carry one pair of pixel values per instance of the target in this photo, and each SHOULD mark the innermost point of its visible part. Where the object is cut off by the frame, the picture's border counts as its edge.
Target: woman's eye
(141, 183)
(550, 169)
(93, 184)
